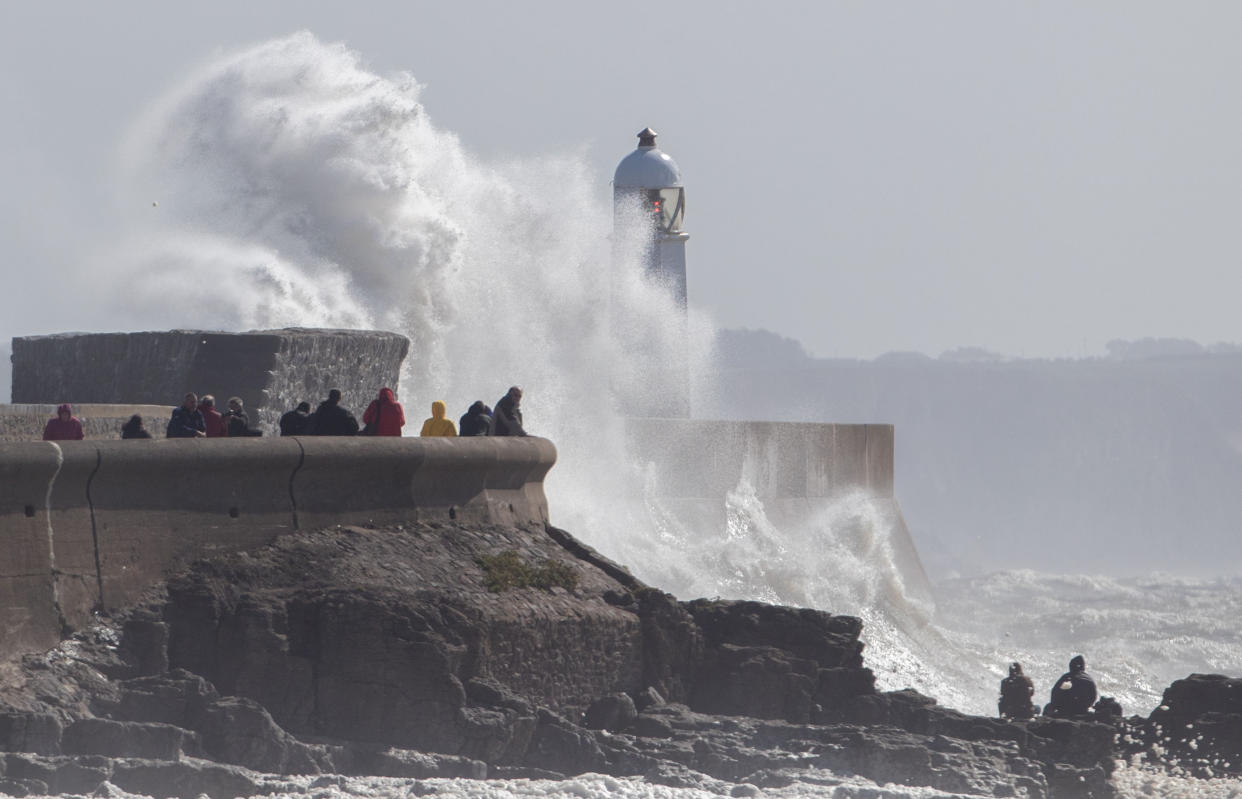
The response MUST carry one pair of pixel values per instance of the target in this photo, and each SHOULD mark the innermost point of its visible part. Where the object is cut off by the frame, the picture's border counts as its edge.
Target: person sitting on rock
(330, 419)
(477, 421)
(295, 422)
(1016, 691)
(64, 427)
(384, 416)
(437, 425)
(1108, 709)
(213, 421)
(186, 421)
(134, 429)
(1074, 693)
(238, 422)
(507, 418)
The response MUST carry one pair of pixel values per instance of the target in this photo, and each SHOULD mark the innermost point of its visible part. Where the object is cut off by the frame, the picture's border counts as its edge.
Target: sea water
(284, 184)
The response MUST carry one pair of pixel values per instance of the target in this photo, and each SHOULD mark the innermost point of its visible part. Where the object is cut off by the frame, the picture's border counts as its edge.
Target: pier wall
(89, 525)
(796, 469)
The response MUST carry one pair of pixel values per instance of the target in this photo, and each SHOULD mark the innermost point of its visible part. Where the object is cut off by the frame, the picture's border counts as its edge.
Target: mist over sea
(292, 187)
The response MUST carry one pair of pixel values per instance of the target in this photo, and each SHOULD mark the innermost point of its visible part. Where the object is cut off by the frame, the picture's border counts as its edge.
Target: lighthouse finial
(646, 137)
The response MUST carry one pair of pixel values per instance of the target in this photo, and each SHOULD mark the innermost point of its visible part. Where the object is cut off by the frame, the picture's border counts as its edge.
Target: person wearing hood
(507, 418)
(65, 427)
(384, 416)
(1074, 693)
(1016, 691)
(437, 425)
(477, 421)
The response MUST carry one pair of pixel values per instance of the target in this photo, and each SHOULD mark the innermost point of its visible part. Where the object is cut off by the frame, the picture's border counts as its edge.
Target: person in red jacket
(65, 427)
(213, 420)
(384, 416)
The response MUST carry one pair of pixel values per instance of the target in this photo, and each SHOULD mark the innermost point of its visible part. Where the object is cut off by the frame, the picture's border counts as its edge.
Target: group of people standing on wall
(1074, 695)
(385, 417)
(198, 418)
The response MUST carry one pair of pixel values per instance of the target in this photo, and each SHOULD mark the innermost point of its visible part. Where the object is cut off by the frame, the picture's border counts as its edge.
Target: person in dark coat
(213, 420)
(330, 419)
(237, 422)
(1016, 691)
(295, 422)
(477, 421)
(1074, 693)
(507, 418)
(186, 421)
(134, 429)
(64, 427)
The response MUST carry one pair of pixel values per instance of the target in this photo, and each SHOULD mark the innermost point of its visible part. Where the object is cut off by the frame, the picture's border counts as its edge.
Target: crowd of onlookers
(198, 418)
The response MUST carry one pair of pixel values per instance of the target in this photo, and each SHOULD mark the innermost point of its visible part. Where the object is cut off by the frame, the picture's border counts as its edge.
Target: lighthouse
(647, 192)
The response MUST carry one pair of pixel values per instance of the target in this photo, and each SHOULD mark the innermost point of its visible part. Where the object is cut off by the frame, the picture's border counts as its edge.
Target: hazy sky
(1032, 178)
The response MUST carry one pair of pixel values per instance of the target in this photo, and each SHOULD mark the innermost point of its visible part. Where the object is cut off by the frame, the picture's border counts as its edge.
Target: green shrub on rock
(508, 570)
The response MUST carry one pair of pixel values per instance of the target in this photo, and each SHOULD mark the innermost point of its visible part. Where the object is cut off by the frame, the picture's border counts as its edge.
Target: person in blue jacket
(187, 420)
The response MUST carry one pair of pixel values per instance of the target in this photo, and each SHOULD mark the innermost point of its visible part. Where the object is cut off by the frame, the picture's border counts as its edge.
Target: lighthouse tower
(647, 192)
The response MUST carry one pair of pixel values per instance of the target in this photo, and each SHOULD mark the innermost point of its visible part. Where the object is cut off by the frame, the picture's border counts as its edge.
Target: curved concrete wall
(88, 525)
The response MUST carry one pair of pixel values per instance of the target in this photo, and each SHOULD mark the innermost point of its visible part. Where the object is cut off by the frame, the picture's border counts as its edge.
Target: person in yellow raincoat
(438, 425)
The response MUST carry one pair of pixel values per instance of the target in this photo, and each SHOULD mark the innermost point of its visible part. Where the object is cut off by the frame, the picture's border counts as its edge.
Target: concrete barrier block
(848, 459)
(365, 480)
(28, 615)
(73, 539)
(880, 459)
(159, 504)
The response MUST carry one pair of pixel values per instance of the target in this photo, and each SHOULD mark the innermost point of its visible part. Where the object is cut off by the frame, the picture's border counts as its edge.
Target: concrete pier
(88, 525)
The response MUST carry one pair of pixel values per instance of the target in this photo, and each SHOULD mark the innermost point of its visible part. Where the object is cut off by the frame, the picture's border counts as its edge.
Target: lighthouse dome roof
(648, 167)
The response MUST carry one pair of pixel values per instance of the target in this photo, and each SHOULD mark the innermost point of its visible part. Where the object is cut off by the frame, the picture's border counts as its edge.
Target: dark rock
(30, 732)
(381, 652)
(240, 731)
(558, 744)
(126, 739)
(613, 713)
(186, 778)
(144, 642)
(77, 775)
(830, 641)
(1197, 727)
(15, 787)
(759, 681)
(525, 773)
(647, 697)
(672, 644)
(390, 762)
(652, 727)
(173, 698)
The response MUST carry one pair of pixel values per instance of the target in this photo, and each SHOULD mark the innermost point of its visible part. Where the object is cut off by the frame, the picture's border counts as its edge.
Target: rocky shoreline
(444, 650)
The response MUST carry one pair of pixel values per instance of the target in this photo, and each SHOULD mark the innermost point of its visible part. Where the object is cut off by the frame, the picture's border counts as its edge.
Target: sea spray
(295, 187)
